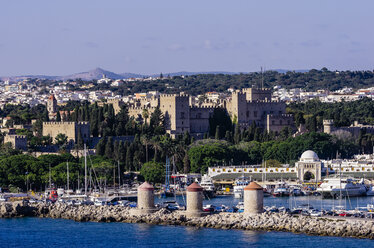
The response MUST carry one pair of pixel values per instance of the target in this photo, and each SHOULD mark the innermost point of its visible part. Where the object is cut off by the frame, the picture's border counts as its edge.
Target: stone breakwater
(357, 228)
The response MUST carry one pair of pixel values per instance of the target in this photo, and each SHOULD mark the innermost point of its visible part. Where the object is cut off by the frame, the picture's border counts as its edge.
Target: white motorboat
(208, 186)
(282, 189)
(240, 184)
(335, 186)
(370, 192)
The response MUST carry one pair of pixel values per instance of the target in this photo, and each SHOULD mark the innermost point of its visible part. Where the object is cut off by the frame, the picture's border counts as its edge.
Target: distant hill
(97, 73)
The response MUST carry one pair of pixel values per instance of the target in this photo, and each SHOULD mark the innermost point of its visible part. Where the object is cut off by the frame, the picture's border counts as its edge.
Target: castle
(182, 115)
(245, 106)
(255, 105)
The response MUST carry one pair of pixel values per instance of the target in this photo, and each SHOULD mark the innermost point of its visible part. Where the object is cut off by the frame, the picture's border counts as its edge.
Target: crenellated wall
(69, 128)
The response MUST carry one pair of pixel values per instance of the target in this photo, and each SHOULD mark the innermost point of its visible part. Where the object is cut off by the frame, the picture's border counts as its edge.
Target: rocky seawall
(357, 228)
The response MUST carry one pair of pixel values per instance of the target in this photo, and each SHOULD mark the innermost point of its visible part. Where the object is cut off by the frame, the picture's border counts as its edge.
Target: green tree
(109, 148)
(153, 172)
(58, 116)
(61, 139)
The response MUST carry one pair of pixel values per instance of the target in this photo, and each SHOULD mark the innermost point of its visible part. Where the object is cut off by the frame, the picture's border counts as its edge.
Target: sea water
(39, 232)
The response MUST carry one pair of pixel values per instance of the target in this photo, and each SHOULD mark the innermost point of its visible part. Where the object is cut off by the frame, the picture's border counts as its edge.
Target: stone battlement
(280, 116)
(203, 107)
(174, 95)
(140, 107)
(16, 136)
(52, 123)
(328, 122)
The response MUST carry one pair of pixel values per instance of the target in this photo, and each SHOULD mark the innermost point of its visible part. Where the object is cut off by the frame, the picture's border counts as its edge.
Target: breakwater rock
(358, 228)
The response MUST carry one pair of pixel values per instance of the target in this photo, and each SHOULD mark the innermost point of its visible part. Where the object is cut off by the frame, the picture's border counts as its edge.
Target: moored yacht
(208, 186)
(282, 189)
(240, 184)
(335, 186)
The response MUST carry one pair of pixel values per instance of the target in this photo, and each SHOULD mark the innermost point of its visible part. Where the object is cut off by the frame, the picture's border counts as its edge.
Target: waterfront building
(309, 167)
(226, 175)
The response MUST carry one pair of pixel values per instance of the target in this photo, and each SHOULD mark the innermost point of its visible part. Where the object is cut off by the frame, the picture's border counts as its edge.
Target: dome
(309, 156)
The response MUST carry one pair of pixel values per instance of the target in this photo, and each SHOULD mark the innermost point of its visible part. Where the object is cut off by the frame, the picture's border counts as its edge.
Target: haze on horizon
(65, 37)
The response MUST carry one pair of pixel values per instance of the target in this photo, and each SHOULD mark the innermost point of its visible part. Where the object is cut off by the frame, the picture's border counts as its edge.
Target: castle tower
(238, 106)
(176, 109)
(328, 126)
(52, 104)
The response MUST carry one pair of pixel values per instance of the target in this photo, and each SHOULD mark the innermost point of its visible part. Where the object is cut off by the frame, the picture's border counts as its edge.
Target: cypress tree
(186, 164)
(217, 136)
(129, 158)
(109, 148)
(68, 117)
(237, 134)
(58, 116)
(80, 141)
(116, 152)
(45, 115)
(228, 136)
(121, 151)
(100, 147)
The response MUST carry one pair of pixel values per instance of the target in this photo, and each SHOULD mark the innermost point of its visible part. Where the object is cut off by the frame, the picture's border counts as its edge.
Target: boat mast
(340, 181)
(265, 171)
(114, 177)
(67, 175)
(50, 179)
(85, 170)
(78, 181)
(119, 175)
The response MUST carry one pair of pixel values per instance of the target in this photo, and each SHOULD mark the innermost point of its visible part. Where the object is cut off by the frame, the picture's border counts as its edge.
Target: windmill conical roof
(253, 186)
(194, 187)
(146, 186)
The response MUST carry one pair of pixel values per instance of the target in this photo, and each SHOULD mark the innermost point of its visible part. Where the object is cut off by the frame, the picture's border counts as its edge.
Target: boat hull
(209, 194)
(344, 193)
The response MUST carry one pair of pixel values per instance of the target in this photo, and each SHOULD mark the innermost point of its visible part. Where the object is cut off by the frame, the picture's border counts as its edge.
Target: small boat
(240, 207)
(266, 193)
(172, 206)
(209, 208)
(296, 191)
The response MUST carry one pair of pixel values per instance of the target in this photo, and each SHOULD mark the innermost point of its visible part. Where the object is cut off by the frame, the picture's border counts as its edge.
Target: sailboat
(168, 192)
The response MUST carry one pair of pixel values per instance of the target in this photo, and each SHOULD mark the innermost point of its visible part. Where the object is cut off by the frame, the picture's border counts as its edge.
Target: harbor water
(43, 232)
(39, 232)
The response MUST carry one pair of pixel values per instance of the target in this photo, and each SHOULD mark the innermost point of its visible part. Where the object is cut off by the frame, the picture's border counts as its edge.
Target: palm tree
(145, 115)
(156, 146)
(145, 141)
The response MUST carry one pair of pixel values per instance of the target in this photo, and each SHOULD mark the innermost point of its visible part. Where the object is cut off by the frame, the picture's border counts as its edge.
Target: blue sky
(64, 37)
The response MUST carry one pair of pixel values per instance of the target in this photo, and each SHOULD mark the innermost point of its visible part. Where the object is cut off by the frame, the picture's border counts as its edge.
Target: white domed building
(309, 167)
